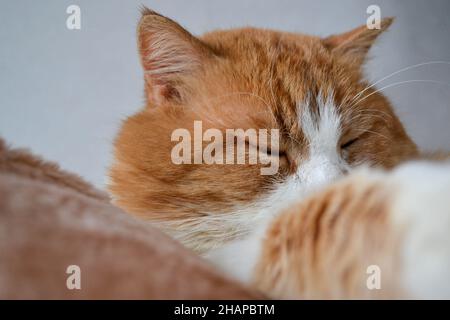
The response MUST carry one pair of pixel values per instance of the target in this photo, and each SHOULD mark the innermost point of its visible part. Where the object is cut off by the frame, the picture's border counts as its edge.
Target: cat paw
(422, 210)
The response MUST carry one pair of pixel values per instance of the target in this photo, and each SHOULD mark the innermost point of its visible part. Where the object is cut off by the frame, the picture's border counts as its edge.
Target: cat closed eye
(349, 143)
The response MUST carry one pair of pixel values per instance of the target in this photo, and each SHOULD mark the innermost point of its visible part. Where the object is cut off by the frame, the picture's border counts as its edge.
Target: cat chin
(239, 257)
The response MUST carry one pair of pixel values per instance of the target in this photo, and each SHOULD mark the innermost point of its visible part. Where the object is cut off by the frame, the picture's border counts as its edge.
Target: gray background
(63, 93)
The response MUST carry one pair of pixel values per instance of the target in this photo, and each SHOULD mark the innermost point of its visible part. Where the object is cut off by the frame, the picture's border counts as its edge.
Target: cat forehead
(259, 47)
(254, 39)
(270, 75)
(271, 63)
(321, 125)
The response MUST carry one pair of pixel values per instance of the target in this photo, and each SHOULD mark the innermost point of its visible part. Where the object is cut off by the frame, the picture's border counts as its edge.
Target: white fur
(422, 208)
(238, 258)
(324, 162)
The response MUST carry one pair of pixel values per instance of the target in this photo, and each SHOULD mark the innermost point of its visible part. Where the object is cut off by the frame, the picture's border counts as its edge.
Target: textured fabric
(50, 219)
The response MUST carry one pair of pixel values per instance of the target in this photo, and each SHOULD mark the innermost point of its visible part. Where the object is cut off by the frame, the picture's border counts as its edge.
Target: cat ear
(167, 52)
(354, 45)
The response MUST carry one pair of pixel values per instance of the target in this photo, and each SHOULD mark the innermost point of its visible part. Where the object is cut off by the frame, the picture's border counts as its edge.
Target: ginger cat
(268, 230)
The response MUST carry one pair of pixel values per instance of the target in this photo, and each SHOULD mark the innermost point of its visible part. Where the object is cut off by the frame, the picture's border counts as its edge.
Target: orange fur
(241, 78)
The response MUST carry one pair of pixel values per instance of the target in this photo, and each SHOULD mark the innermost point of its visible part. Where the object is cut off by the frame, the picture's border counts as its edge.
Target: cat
(312, 89)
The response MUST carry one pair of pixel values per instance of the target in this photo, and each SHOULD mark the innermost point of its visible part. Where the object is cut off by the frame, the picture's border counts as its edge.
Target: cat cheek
(285, 163)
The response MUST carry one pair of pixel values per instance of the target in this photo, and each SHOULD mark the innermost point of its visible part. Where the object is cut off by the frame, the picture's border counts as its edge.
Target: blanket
(60, 238)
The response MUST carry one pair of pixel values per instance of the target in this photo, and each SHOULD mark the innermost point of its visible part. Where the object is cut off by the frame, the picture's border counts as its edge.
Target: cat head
(310, 89)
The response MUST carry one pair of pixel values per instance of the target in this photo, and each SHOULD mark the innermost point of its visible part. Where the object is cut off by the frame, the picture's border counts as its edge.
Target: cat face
(310, 89)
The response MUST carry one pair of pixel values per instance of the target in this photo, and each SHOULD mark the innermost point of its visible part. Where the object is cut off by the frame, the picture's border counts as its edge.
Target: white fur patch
(324, 162)
(238, 258)
(422, 208)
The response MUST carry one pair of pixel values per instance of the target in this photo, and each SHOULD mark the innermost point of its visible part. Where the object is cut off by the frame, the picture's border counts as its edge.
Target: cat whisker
(400, 83)
(374, 132)
(368, 114)
(397, 72)
(271, 77)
